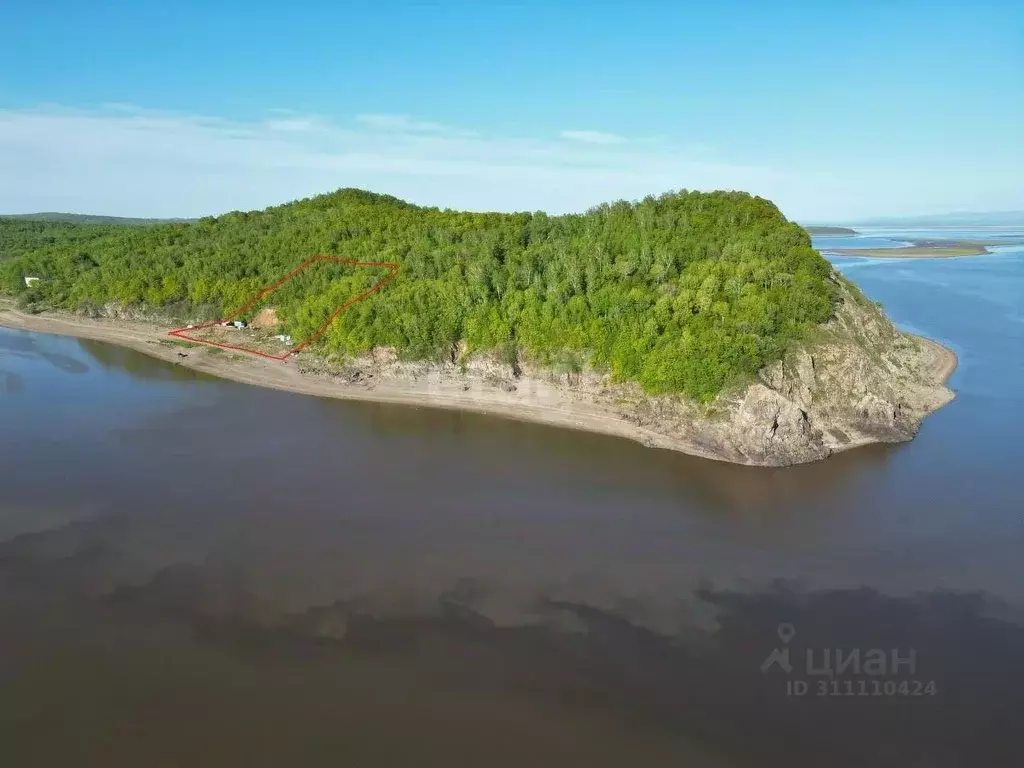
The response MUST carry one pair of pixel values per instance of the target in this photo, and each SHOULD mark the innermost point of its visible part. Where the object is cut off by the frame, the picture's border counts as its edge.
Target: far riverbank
(923, 249)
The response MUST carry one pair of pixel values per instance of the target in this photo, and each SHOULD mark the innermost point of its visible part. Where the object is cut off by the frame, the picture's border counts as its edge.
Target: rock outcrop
(860, 381)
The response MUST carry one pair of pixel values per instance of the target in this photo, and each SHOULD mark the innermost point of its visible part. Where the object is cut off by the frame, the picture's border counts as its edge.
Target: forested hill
(682, 293)
(88, 218)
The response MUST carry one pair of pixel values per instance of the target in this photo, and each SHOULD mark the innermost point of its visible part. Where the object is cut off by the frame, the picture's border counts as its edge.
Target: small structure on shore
(239, 323)
(285, 338)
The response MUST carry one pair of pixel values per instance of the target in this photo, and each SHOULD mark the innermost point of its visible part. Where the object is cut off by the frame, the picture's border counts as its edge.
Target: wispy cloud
(294, 124)
(408, 124)
(593, 137)
(125, 160)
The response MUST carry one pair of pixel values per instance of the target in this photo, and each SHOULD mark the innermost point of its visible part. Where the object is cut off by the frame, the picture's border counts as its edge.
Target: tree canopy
(681, 292)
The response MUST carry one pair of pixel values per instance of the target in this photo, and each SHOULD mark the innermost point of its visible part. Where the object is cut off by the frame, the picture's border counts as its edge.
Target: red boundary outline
(392, 266)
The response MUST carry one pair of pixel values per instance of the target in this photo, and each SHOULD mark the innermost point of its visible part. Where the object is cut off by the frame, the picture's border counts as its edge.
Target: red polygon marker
(181, 333)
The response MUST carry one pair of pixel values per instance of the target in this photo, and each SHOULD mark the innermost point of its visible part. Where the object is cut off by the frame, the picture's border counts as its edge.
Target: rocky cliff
(858, 381)
(862, 382)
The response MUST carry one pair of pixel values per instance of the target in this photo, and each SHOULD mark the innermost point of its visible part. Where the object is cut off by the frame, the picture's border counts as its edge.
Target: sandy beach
(530, 400)
(944, 360)
(533, 400)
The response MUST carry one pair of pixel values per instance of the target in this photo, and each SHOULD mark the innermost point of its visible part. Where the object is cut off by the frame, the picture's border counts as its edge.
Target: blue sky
(835, 110)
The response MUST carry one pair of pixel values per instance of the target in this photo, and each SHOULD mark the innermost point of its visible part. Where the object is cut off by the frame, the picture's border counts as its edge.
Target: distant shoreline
(923, 249)
(911, 252)
(831, 231)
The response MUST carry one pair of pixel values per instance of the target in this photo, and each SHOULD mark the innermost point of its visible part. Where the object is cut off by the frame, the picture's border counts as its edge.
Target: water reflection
(714, 487)
(17, 342)
(701, 689)
(11, 383)
(26, 345)
(141, 367)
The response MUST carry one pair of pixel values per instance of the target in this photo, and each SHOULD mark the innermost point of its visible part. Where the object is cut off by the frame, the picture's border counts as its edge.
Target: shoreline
(945, 360)
(914, 252)
(923, 249)
(888, 253)
(534, 401)
(547, 406)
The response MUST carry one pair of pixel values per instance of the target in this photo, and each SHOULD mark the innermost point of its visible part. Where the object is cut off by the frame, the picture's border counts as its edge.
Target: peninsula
(926, 249)
(701, 322)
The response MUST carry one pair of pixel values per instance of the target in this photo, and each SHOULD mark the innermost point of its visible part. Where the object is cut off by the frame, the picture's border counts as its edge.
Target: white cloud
(406, 124)
(135, 162)
(298, 124)
(593, 137)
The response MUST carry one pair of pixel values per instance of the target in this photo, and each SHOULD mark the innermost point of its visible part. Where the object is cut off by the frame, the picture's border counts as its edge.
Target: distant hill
(830, 231)
(85, 218)
(962, 219)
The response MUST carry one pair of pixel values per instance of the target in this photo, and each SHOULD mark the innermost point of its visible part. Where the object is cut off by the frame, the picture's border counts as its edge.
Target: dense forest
(684, 293)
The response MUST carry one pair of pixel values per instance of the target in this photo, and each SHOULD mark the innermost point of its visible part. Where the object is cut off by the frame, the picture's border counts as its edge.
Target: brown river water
(195, 572)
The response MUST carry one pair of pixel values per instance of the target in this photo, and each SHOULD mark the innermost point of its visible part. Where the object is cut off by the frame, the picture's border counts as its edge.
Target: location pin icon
(786, 632)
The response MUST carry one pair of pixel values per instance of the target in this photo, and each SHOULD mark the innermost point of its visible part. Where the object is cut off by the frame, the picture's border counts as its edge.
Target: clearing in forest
(252, 328)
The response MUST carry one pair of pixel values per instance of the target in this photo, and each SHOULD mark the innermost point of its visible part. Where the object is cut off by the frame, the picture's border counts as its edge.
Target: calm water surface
(194, 572)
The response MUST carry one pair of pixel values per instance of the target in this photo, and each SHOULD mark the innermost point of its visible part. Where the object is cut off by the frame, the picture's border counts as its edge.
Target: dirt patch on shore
(267, 318)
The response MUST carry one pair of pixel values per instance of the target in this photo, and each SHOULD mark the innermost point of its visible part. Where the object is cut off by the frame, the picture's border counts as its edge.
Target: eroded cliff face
(861, 381)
